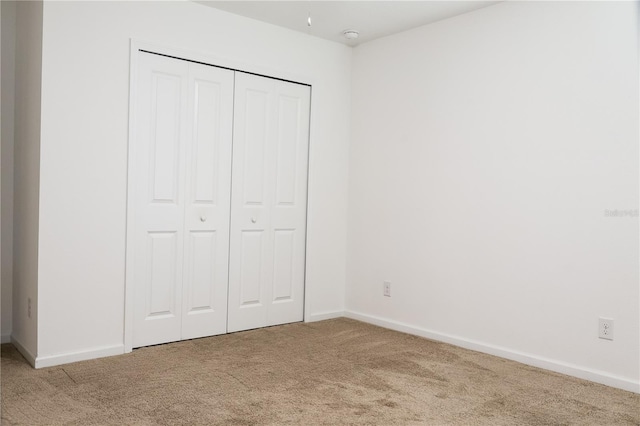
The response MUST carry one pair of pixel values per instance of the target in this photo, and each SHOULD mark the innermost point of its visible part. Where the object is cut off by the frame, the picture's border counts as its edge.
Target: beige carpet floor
(325, 373)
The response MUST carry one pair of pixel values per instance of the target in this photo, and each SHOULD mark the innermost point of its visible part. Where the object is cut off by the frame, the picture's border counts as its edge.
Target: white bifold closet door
(220, 189)
(182, 187)
(268, 203)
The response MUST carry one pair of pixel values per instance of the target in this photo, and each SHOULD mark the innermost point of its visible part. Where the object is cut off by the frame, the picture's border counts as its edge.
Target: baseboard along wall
(31, 358)
(59, 359)
(324, 316)
(524, 358)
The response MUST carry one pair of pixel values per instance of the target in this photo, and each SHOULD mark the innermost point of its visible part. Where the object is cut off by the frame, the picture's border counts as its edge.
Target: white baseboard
(324, 316)
(52, 360)
(529, 359)
(31, 359)
(5, 338)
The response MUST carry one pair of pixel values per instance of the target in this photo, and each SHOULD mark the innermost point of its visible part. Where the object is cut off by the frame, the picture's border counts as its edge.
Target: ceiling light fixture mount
(351, 34)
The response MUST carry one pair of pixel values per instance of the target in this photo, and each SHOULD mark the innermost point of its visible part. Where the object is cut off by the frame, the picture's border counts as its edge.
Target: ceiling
(373, 19)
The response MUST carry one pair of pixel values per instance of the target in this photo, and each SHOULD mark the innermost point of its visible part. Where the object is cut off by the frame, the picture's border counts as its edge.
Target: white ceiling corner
(373, 19)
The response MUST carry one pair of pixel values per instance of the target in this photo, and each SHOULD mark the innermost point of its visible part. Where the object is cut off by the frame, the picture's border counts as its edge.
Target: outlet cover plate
(386, 288)
(605, 328)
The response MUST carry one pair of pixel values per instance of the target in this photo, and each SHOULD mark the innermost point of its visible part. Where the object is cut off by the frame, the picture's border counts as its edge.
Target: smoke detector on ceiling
(350, 34)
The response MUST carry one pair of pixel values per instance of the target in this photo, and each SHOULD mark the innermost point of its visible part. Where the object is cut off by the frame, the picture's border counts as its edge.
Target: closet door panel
(158, 231)
(271, 125)
(250, 216)
(208, 191)
(289, 206)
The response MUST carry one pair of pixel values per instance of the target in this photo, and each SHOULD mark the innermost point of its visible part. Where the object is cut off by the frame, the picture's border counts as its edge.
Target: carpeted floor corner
(325, 373)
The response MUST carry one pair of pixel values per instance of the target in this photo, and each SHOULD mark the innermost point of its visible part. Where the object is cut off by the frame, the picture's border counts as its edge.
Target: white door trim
(205, 58)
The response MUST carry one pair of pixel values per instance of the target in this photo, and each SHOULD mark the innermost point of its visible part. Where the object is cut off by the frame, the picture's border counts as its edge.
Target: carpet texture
(325, 373)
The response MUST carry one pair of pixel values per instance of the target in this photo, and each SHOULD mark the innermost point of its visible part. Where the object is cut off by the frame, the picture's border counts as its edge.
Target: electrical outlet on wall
(605, 328)
(386, 288)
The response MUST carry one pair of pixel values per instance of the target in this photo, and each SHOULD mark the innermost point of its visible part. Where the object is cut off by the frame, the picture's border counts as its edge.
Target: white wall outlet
(605, 328)
(29, 307)
(386, 288)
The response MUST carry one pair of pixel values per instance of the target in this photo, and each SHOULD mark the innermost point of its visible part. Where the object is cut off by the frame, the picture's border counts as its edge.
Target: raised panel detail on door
(288, 134)
(162, 278)
(271, 136)
(255, 141)
(206, 137)
(202, 250)
(283, 264)
(251, 268)
(165, 136)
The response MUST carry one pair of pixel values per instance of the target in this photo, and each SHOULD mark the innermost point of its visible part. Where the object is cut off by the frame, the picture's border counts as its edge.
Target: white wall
(485, 149)
(26, 174)
(6, 200)
(85, 93)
